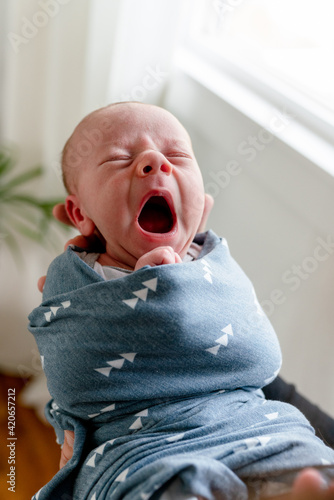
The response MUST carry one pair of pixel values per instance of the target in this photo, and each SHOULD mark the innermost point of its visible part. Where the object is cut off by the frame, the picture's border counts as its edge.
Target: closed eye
(178, 154)
(115, 159)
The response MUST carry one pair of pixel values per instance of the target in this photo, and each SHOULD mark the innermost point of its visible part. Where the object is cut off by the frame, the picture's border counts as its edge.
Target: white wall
(58, 65)
(41, 100)
(276, 210)
(272, 209)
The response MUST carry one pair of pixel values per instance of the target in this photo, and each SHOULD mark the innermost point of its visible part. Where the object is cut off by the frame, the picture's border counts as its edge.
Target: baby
(147, 181)
(158, 368)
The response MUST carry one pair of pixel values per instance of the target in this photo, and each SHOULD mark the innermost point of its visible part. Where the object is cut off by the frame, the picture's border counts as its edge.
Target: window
(288, 44)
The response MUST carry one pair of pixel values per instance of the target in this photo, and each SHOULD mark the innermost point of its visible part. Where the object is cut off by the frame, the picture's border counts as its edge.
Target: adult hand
(208, 204)
(309, 485)
(59, 213)
(92, 242)
(67, 448)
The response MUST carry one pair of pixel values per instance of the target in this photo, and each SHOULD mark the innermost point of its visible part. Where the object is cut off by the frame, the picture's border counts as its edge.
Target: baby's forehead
(123, 124)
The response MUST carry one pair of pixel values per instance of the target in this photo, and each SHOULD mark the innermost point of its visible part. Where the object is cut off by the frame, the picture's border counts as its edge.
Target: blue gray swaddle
(159, 374)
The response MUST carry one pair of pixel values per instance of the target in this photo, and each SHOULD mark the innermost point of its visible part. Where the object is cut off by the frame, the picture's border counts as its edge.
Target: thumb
(67, 449)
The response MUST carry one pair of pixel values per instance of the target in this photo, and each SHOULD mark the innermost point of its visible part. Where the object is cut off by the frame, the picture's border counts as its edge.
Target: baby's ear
(78, 216)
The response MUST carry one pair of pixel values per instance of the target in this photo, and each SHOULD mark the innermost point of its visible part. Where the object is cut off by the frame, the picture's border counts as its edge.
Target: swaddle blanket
(159, 374)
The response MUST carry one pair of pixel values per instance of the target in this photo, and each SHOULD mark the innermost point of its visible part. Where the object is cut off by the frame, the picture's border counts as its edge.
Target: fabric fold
(163, 366)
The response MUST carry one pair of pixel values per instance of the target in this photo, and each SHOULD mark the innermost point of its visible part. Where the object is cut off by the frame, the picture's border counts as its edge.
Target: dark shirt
(323, 424)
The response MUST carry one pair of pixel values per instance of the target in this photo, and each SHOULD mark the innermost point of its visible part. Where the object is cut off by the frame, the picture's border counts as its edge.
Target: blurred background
(252, 81)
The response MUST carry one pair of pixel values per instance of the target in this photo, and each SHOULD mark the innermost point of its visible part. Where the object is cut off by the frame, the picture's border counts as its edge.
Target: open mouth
(156, 216)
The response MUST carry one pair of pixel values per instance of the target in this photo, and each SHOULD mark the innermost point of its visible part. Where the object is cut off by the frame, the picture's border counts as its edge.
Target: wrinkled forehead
(125, 123)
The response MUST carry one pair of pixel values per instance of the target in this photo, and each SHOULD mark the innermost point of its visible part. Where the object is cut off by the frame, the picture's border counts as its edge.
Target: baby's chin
(152, 241)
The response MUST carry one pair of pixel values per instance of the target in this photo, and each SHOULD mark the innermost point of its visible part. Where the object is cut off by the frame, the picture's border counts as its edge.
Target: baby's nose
(154, 163)
(164, 167)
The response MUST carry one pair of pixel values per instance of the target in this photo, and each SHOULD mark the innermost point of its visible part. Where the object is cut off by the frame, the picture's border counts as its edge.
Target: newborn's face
(141, 186)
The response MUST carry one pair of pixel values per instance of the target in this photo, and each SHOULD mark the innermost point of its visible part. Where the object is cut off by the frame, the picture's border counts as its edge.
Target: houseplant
(23, 213)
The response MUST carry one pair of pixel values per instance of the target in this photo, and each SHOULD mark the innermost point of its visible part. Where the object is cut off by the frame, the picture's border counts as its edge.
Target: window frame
(311, 130)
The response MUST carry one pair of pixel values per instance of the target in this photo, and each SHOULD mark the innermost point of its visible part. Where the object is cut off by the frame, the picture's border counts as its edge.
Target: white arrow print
(91, 461)
(117, 363)
(224, 338)
(130, 356)
(131, 302)
(93, 415)
(252, 443)
(141, 294)
(272, 416)
(48, 316)
(137, 424)
(108, 408)
(105, 371)
(177, 437)
(122, 476)
(214, 350)
(100, 449)
(54, 310)
(151, 284)
(143, 413)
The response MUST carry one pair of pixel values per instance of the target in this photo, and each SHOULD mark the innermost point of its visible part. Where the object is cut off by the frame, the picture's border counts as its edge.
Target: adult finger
(59, 213)
(41, 283)
(67, 449)
(208, 204)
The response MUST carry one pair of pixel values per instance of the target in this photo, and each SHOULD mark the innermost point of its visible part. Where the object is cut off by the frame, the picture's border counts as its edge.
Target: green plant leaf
(6, 163)
(45, 206)
(21, 179)
(21, 213)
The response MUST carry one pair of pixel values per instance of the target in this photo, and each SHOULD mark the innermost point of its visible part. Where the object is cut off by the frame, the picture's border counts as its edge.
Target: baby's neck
(106, 260)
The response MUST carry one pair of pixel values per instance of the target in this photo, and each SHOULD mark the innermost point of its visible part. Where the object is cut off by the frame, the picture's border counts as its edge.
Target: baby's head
(132, 175)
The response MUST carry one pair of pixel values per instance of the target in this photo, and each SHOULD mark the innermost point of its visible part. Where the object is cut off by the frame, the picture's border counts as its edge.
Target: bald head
(81, 143)
(92, 131)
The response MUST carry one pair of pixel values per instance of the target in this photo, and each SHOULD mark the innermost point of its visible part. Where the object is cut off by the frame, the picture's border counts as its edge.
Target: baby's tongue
(155, 216)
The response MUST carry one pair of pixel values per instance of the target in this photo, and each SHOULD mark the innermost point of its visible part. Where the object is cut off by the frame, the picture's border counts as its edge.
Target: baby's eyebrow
(164, 145)
(111, 153)
(113, 149)
(176, 144)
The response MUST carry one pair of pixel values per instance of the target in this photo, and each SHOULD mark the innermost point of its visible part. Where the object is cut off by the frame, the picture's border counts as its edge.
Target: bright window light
(292, 40)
